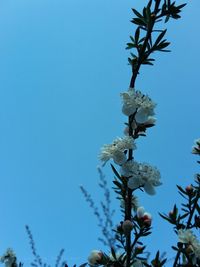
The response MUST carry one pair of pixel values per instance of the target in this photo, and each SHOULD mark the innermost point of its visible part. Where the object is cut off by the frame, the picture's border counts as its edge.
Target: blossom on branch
(116, 150)
(141, 105)
(141, 175)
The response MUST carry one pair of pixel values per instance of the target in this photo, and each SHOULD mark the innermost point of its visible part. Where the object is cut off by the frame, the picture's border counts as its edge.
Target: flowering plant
(126, 249)
(131, 175)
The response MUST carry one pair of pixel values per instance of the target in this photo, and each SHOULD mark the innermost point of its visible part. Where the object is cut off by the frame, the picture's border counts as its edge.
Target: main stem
(135, 71)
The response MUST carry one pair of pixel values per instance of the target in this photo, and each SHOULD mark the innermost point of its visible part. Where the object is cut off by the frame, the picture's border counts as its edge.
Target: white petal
(128, 109)
(140, 212)
(141, 116)
(134, 183)
(149, 189)
(119, 157)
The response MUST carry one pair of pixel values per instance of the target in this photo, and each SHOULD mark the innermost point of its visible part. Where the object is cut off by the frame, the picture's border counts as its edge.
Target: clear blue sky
(63, 65)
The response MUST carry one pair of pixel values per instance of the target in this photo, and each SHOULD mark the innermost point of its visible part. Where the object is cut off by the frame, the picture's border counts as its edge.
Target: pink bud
(95, 257)
(189, 189)
(147, 219)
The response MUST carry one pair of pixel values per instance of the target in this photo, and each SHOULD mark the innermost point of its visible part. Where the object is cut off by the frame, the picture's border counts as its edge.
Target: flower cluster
(116, 150)
(9, 258)
(134, 102)
(189, 238)
(141, 175)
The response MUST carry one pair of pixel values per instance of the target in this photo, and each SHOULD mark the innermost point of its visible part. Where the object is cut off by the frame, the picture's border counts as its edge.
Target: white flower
(188, 237)
(130, 101)
(135, 101)
(145, 111)
(141, 175)
(196, 148)
(130, 168)
(116, 150)
(9, 258)
(95, 257)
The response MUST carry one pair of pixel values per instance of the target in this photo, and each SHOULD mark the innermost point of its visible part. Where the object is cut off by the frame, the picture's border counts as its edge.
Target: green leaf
(137, 13)
(167, 18)
(139, 21)
(149, 4)
(163, 45)
(130, 46)
(181, 6)
(163, 262)
(176, 16)
(148, 13)
(164, 7)
(141, 40)
(144, 12)
(181, 190)
(184, 215)
(157, 255)
(115, 171)
(146, 234)
(147, 62)
(132, 39)
(161, 35)
(137, 35)
(113, 253)
(117, 183)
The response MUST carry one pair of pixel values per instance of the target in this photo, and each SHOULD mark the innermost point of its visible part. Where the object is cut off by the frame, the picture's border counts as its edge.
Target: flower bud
(140, 212)
(189, 189)
(127, 227)
(95, 257)
(173, 215)
(147, 219)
